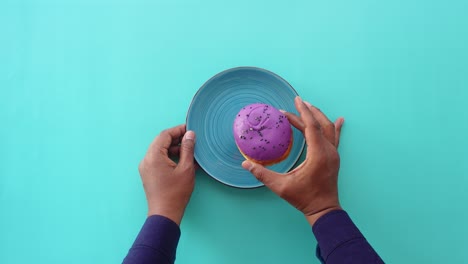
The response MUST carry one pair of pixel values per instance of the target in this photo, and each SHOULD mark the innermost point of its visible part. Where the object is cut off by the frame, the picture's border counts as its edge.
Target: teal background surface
(86, 85)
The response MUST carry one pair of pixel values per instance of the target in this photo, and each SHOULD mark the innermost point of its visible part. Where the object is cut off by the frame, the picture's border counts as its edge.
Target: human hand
(312, 186)
(168, 185)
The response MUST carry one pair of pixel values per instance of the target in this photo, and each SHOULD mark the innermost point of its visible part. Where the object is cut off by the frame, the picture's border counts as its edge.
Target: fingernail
(299, 98)
(247, 165)
(190, 135)
(282, 111)
(307, 103)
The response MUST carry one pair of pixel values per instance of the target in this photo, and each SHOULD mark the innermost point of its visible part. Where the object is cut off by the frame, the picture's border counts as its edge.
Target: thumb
(338, 125)
(186, 149)
(261, 173)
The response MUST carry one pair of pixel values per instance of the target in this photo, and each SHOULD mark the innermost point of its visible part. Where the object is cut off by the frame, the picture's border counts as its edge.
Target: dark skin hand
(312, 186)
(168, 185)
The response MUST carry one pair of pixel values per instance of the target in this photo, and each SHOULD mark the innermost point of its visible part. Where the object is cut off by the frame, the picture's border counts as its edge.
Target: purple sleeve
(156, 242)
(340, 241)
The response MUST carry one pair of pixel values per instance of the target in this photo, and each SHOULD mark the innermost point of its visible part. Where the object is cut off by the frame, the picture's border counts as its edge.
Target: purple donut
(263, 134)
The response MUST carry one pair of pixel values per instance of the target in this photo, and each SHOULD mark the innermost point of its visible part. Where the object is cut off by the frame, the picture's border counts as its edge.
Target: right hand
(312, 186)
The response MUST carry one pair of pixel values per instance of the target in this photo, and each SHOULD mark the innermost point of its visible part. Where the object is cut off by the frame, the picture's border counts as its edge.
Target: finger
(294, 120)
(338, 125)
(328, 128)
(186, 150)
(166, 138)
(263, 174)
(311, 125)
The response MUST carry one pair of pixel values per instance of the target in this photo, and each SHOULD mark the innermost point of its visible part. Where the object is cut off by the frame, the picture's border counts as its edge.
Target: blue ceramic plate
(211, 116)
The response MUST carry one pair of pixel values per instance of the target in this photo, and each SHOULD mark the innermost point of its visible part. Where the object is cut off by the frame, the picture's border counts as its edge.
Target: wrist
(314, 217)
(174, 215)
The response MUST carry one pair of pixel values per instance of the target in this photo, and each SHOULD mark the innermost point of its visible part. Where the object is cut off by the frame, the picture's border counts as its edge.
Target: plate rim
(234, 69)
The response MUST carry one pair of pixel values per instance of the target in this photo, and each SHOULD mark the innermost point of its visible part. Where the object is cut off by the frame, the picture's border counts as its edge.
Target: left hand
(168, 185)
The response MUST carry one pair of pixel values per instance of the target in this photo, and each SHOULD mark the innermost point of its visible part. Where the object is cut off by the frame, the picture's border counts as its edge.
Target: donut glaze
(262, 133)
